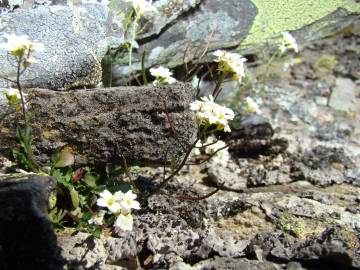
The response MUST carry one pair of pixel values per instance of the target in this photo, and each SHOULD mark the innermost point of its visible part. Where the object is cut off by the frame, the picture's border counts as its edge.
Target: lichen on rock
(75, 39)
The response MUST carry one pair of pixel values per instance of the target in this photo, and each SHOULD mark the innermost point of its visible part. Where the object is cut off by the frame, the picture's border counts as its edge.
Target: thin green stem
(217, 89)
(18, 83)
(270, 61)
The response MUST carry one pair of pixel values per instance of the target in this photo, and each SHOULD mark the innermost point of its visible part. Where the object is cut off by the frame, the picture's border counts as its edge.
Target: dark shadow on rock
(27, 239)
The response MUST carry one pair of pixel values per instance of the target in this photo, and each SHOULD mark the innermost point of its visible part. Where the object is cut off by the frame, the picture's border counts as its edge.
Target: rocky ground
(290, 196)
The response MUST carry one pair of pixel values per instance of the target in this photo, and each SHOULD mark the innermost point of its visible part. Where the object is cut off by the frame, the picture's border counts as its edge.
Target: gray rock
(229, 176)
(99, 125)
(253, 148)
(83, 250)
(253, 126)
(227, 263)
(270, 171)
(167, 12)
(122, 251)
(343, 96)
(225, 244)
(212, 21)
(27, 239)
(323, 101)
(335, 246)
(324, 165)
(243, 26)
(75, 39)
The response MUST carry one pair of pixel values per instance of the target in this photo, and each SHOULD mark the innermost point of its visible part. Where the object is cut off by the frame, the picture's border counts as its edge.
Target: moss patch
(276, 16)
(325, 64)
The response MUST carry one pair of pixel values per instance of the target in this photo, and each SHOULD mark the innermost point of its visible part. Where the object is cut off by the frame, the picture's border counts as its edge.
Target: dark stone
(27, 239)
(324, 166)
(254, 148)
(253, 127)
(100, 125)
(321, 157)
(232, 264)
(335, 246)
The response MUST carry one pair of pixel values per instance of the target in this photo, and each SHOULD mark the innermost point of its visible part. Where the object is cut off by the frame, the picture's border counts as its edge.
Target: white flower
(222, 156)
(124, 222)
(15, 43)
(231, 62)
(20, 45)
(98, 218)
(12, 94)
(195, 82)
(142, 6)
(251, 106)
(110, 201)
(210, 113)
(162, 75)
(288, 42)
(128, 202)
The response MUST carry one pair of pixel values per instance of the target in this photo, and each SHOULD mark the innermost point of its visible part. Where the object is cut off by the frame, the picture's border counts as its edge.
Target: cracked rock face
(75, 39)
(182, 31)
(206, 26)
(100, 125)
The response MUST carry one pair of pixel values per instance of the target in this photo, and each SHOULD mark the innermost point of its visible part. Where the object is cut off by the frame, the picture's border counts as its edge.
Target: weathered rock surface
(84, 251)
(343, 95)
(301, 205)
(227, 263)
(100, 125)
(333, 246)
(280, 224)
(245, 25)
(27, 239)
(75, 39)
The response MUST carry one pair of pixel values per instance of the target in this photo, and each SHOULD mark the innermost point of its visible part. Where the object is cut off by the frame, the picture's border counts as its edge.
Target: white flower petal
(124, 222)
(106, 194)
(102, 202)
(114, 207)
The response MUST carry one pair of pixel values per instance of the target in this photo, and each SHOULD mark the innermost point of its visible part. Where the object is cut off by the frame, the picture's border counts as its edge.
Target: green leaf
(99, 189)
(74, 198)
(86, 216)
(96, 232)
(173, 164)
(90, 180)
(63, 159)
(60, 178)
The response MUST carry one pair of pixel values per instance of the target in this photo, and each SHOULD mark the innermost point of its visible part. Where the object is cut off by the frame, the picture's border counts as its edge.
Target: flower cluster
(22, 48)
(162, 75)
(210, 113)
(288, 42)
(232, 63)
(119, 204)
(142, 6)
(251, 106)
